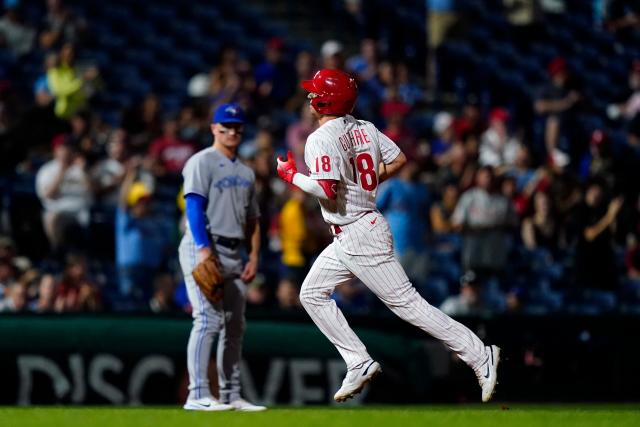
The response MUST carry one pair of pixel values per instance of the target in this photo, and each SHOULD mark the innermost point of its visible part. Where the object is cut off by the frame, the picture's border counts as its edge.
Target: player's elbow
(399, 161)
(330, 188)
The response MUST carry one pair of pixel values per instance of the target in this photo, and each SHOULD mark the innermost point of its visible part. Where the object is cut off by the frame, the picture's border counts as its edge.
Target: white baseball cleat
(206, 404)
(244, 406)
(356, 379)
(488, 373)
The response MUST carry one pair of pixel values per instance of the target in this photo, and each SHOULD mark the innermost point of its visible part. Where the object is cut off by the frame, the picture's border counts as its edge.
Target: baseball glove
(209, 278)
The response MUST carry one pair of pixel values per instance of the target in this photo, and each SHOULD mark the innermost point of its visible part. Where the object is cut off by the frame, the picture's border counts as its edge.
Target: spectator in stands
(287, 294)
(627, 165)
(456, 166)
(332, 54)
(76, 291)
(266, 190)
(64, 189)
(623, 19)
(405, 203)
(595, 263)
(231, 81)
(141, 240)
(383, 82)
(471, 121)
(143, 123)
(162, 300)
(444, 137)
(15, 35)
(16, 299)
(108, 173)
(408, 90)
(599, 161)
(631, 107)
(263, 142)
(298, 132)
(41, 89)
(7, 276)
(497, 148)
(61, 26)
(394, 111)
(524, 17)
(540, 230)
(441, 18)
(274, 77)
(526, 177)
(293, 232)
(484, 218)
(365, 64)
(257, 292)
(82, 136)
(509, 192)
(168, 152)
(632, 262)
(361, 21)
(7, 247)
(191, 127)
(305, 67)
(47, 291)
(556, 103)
(70, 88)
(442, 211)
(469, 301)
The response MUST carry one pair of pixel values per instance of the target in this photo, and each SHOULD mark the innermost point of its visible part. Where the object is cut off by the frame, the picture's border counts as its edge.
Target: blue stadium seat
(111, 42)
(160, 14)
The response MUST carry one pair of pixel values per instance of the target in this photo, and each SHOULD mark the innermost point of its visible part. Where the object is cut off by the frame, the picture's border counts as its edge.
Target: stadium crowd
(488, 216)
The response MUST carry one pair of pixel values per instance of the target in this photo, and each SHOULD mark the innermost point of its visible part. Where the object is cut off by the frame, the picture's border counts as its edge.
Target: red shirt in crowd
(172, 153)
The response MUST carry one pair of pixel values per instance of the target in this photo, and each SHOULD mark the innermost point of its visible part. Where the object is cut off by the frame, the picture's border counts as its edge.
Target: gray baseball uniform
(349, 151)
(228, 186)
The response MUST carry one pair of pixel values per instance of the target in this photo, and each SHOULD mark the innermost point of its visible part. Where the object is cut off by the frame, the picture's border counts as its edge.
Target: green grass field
(494, 415)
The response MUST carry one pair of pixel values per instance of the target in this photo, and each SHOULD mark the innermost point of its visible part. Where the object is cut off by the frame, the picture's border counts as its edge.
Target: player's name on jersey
(353, 138)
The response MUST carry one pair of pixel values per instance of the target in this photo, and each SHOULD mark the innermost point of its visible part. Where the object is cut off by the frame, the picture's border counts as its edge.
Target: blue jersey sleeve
(195, 210)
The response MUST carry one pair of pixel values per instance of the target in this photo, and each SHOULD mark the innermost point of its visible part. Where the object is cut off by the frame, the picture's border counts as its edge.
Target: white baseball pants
(364, 249)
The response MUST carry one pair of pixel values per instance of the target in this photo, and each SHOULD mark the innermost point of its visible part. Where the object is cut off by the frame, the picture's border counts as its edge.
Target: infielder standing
(222, 216)
(347, 159)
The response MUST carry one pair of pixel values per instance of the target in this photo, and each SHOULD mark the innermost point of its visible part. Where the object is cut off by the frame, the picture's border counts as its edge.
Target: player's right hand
(204, 253)
(287, 168)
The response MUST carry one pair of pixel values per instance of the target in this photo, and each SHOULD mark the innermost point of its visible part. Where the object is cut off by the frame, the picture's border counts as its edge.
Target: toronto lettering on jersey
(353, 138)
(232, 181)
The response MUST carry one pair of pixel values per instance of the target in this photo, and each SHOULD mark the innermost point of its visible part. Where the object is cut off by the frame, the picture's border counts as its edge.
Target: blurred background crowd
(520, 119)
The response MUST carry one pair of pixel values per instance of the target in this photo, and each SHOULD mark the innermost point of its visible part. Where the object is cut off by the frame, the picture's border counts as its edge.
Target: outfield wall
(79, 359)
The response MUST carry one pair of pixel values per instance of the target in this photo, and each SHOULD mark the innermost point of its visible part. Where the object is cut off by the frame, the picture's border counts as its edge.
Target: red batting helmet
(334, 91)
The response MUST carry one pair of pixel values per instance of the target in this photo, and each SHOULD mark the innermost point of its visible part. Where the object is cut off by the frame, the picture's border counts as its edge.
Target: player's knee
(310, 297)
(206, 324)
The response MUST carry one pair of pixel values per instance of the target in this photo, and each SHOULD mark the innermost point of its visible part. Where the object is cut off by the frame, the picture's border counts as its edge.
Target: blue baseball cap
(228, 113)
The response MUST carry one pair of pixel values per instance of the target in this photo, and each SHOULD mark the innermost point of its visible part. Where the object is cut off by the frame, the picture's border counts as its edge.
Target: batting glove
(287, 168)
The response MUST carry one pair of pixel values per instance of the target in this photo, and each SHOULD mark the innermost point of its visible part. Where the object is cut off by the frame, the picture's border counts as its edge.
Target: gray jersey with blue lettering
(229, 188)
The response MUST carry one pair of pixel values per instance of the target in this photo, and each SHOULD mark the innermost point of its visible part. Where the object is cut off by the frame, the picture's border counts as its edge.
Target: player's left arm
(386, 171)
(322, 188)
(252, 233)
(392, 158)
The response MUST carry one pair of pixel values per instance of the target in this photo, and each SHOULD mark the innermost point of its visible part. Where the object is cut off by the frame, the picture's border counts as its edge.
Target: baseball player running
(222, 216)
(347, 159)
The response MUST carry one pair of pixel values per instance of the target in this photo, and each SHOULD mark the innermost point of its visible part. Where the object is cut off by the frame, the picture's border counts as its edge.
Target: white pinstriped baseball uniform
(349, 151)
